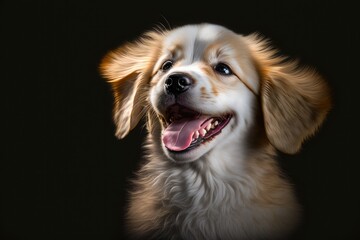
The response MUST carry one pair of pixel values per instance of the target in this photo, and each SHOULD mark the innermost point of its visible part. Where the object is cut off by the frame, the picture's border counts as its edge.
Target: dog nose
(177, 83)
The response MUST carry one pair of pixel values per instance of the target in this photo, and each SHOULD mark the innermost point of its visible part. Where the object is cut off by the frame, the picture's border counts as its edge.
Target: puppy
(218, 106)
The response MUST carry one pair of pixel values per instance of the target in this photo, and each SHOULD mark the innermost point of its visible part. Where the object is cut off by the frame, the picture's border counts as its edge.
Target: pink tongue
(178, 135)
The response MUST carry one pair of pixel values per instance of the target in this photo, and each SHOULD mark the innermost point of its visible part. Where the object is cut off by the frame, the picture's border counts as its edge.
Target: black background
(64, 175)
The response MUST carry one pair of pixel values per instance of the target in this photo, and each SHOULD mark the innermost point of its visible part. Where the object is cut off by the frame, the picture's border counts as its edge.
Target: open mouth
(187, 129)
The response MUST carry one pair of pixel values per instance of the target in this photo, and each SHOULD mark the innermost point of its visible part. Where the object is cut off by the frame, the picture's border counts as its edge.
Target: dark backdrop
(64, 175)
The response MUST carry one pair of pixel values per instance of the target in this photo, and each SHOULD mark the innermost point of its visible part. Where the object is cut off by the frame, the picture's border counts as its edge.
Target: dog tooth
(196, 134)
(216, 123)
(202, 132)
(208, 127)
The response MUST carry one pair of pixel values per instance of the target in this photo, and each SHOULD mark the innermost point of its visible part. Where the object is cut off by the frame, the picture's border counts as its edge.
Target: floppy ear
(295, 100)
(128, 69)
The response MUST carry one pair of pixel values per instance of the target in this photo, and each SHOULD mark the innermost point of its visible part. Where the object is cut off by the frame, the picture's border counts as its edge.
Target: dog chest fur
(210, 199)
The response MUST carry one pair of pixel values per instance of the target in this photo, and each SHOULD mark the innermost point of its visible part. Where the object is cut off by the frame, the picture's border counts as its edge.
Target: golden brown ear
(295, 100)
(128, 69)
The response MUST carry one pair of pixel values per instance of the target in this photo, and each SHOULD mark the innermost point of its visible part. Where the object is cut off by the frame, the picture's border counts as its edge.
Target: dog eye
(167, 65)
(223, 69)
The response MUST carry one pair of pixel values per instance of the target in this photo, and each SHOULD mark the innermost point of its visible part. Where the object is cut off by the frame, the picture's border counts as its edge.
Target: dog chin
(194, 153)
(188, 155)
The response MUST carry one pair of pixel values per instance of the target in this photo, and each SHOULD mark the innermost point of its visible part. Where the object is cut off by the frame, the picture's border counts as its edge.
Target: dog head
(203, 86)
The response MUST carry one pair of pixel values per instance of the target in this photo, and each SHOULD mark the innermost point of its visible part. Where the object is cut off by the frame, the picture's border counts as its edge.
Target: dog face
(203, 89)
(203, 86)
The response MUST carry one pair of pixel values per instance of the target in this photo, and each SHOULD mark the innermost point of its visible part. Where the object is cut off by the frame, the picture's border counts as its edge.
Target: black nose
(177, 83)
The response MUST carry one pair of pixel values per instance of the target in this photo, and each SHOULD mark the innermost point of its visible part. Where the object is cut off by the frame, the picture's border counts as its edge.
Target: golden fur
(232, 188)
